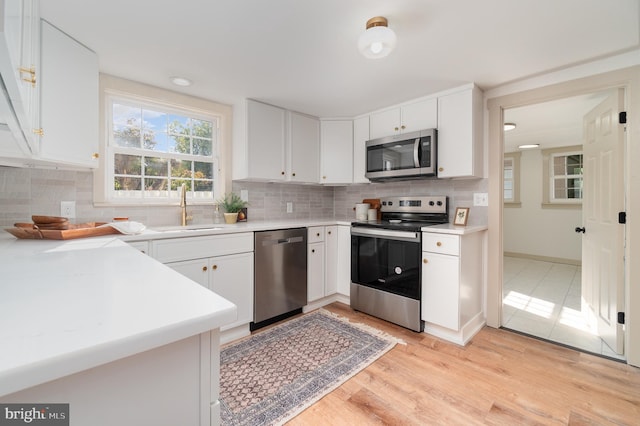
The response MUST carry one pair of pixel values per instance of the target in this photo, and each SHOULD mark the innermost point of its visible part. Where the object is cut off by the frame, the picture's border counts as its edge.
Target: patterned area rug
(273, 375)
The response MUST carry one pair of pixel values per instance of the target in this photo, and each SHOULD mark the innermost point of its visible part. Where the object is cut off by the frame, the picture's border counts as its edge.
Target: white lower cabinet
(221, 263)
(452, 281)
(343, 267)
(322, 261)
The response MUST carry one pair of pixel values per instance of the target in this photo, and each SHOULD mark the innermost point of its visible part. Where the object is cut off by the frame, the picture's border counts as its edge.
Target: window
(153, 149)
(562, 177)
(566, 177)
(511, 176)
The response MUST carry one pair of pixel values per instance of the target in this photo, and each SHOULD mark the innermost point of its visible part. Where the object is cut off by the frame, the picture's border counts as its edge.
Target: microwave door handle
(416, 153)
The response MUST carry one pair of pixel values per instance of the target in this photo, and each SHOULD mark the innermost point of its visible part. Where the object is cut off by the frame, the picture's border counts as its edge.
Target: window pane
(181, 168)
(125, 183)
(559, 166)
(203, 170)
(156, 184)
(508, 195)
(127, 164)
(203, 185)
(177, 183)
(154, 166)
(202, 129)
(508, 184)
(125, 115)
(508, 174)
(202, 147)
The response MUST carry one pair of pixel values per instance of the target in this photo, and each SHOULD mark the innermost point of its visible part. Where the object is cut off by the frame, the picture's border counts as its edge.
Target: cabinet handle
(313, 250)
(32, 72)
(282, 173)
(425, 261)
(395, 129)
(329, 232)
(214, 267)
(403, 127)
(318, 234)
(441, 169)
(204, 269)
(95, 155)
(324, 177)
(38, 132)
(439, 244)
(293, 174)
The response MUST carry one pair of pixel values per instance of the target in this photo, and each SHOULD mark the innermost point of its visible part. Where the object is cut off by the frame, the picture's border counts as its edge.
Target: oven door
(387, 260)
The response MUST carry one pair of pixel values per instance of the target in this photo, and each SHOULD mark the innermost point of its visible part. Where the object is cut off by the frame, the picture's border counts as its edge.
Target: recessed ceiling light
(509, 126)
(181, 81)
(529, 146)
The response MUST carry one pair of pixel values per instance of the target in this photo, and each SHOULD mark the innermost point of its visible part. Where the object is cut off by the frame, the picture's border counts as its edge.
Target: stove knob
(390, 203)
(439, 203)
(431, 203)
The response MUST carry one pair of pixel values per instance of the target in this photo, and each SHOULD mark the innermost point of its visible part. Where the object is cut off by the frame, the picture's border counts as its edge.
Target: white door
(603, 198)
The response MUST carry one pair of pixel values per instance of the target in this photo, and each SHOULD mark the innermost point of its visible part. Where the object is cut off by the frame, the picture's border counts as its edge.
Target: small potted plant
(232, 204)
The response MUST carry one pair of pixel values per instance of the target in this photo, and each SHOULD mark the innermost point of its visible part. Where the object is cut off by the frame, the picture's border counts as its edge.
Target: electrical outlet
(289, 207)
(244, 194)
(481, 199)
(68, 209)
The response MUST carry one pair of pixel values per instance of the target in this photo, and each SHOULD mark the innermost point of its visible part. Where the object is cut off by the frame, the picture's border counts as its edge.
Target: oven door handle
(416, 153)
(386, 234)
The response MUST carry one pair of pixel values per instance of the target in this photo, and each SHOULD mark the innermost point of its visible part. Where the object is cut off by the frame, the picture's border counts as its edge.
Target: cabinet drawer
(441, 243)
(315, 234)
(200, 247)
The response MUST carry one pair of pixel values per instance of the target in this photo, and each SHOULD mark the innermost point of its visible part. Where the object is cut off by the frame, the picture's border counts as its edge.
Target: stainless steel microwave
(406, 156)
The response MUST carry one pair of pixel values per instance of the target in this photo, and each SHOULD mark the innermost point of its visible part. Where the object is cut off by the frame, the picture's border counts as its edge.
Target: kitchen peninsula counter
(71, 306)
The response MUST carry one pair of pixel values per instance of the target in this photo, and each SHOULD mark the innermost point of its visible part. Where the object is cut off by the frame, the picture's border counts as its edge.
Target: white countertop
(449, 228)
(67, 306)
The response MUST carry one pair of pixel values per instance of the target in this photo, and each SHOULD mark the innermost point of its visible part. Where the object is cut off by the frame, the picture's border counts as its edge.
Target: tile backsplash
(25, 192)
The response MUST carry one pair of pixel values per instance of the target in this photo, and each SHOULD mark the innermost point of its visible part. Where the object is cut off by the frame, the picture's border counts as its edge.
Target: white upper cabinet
(360, 138)
(336, 155)
(303, 163)
(460, 151)
(405, 118)
(69, 100)
(266, 133)
(19, 68)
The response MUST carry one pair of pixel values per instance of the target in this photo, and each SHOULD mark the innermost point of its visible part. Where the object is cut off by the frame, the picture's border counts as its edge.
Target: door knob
(578, 229)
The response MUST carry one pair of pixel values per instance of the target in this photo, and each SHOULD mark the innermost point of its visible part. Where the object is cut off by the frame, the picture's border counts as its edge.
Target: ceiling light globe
(377, 42)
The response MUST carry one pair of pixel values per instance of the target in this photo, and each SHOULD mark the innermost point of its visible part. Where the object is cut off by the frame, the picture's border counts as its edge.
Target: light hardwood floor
(499, 378)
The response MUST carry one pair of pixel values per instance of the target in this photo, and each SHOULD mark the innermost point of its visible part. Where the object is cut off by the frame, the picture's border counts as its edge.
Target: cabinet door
(304, 149)
(336, 141)
(360, 138)
(440, 289)
(265, 141)
(196, 270)
(232, 278)
(460, 134)
(384, 123)
(315, 271)
(331, 260)
(69, 100)
(420, 115)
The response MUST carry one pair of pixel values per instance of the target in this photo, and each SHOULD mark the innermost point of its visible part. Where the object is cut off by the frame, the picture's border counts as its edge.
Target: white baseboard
(461, 337)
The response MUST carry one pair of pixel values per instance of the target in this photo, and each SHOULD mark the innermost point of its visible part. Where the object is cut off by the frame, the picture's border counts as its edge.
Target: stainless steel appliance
(386, 279)
(407, 156)
(280, 275)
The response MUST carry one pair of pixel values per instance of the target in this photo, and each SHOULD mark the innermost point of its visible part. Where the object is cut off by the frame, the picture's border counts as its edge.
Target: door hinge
(620, 317)
(622, 217)
(622, 117)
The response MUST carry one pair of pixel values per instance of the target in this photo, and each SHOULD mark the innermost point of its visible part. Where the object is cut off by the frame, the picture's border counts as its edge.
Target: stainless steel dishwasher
(280, 280)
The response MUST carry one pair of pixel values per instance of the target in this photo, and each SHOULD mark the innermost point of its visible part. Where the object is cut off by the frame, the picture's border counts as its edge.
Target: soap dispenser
(217, 215)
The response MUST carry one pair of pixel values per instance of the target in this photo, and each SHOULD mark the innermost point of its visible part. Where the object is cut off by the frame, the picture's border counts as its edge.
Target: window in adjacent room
(153, 149)
(511, 176)
(563, 175)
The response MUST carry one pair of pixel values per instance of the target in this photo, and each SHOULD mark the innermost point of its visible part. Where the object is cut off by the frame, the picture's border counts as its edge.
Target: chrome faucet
(183, 206)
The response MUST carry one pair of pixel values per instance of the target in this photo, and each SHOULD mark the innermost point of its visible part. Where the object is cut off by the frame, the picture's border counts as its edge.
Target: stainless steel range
(386, 258)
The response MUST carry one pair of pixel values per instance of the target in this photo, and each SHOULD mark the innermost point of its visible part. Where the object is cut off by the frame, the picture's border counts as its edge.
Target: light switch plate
(480, 199)
(289, 207)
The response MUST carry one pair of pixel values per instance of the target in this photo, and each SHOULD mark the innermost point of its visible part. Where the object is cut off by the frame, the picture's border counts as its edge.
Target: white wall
(533, 230)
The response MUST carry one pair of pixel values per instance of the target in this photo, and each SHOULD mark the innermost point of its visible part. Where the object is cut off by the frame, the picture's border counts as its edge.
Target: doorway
(543, 291)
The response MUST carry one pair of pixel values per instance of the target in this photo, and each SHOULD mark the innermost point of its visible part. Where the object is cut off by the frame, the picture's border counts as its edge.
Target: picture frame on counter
(461, 217)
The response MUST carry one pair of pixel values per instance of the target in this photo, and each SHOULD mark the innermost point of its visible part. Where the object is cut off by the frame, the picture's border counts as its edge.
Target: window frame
(548, 176)
(148, 96)
(515, 159)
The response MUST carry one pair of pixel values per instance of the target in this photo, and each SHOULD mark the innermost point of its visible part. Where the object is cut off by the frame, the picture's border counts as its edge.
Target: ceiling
(550, 124)
(302, 55)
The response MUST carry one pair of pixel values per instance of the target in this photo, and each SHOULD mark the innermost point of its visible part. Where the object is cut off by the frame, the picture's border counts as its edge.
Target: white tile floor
(543, 299)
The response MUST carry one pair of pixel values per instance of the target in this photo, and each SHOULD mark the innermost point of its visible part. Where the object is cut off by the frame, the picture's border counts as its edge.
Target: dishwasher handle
(279, 241)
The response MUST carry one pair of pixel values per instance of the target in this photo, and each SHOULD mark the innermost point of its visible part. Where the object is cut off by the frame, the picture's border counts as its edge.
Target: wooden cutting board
(83, 230)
